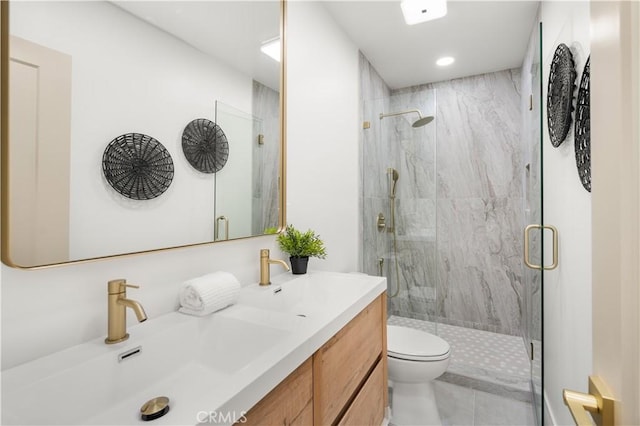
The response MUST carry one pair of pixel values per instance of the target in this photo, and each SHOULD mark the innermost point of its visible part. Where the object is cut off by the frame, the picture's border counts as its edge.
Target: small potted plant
(300, 246)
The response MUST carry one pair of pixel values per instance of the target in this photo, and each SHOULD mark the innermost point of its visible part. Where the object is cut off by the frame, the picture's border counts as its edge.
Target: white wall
(322, 120)
(128, 76)
(567, 206)
(46, 310)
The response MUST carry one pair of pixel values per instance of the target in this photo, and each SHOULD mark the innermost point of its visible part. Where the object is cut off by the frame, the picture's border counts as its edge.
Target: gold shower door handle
(554, 232)
(599, 402)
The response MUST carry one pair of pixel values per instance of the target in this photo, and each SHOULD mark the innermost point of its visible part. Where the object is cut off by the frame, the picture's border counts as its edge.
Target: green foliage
(301, 244)
(271, 230)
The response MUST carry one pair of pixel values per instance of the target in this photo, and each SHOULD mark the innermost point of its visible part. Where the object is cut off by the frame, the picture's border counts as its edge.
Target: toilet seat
(415, 345)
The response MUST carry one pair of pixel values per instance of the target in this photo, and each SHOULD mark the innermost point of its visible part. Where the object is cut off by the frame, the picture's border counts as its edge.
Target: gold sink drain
(154, 408)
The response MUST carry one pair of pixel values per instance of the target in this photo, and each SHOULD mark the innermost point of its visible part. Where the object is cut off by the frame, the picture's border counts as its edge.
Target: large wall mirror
(131, 126)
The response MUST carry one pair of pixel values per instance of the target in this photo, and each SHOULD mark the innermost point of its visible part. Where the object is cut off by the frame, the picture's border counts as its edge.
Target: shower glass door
(533, 215)
(399, 202)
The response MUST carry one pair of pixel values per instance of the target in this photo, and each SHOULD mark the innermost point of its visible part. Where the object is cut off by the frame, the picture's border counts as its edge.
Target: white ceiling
(482, 36)
(231, 31)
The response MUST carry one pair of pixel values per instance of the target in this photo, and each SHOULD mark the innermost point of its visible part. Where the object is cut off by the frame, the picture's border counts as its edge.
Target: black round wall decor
(562, 77)
(137, 166)
(582, 130)
(205, 145)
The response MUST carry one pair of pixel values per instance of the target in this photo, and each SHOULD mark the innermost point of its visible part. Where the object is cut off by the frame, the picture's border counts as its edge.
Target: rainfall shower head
(421, 121)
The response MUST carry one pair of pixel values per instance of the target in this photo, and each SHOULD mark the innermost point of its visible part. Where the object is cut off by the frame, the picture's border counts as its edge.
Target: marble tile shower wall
(459, 214)
(266, 106)
(480, 202)
(374, 97)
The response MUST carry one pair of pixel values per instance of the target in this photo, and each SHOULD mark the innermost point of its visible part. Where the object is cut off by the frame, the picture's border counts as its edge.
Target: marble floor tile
(461, 406)
(455, 403)
(497, 410)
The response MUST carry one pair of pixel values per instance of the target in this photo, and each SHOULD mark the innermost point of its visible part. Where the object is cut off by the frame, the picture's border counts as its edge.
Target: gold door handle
(554, 233)
(599, 402)
(579, 403)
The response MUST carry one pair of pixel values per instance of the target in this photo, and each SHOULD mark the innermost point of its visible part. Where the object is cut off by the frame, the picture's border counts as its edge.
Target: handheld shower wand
(393, 176)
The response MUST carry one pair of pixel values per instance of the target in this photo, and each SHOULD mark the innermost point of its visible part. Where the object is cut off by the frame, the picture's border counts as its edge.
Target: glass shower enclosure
(444, 207)
(399, 218)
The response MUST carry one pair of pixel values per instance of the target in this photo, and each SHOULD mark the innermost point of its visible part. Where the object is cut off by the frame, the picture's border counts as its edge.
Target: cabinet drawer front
(368, 407)
(290, 403)
(341, 365)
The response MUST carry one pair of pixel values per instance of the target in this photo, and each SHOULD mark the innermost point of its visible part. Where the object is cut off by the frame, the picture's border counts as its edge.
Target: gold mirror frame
(5, 232)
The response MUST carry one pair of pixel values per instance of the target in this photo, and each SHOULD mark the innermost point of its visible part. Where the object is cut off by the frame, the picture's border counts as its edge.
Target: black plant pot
(299, 264)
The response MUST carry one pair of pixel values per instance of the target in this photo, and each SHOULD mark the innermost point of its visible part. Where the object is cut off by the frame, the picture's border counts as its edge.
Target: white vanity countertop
(213, 369)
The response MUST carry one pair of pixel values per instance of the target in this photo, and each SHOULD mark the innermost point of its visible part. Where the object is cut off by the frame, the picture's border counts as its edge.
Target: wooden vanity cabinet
(369, 404)
(343, 383)
(342, 365)
(290, 403)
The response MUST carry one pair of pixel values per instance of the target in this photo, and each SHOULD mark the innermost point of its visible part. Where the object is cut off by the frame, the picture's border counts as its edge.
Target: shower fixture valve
(381, 222)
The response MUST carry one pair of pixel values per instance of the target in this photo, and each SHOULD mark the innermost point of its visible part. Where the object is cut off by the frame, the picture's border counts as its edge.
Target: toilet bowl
(415, 358)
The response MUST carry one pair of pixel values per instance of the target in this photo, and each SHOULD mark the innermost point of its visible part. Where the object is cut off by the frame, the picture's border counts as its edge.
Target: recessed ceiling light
(444, 61)
(272, 48)
(417, 11)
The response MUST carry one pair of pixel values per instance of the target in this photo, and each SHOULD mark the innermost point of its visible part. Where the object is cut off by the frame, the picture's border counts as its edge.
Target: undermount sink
(293, 299)
(174, 355)
(307, 296)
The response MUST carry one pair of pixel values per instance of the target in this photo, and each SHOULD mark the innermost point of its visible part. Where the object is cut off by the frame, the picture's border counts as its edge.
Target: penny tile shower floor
(487, 382)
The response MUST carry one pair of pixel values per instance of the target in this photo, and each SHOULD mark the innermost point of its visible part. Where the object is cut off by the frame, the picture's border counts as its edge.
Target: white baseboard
(548, 418)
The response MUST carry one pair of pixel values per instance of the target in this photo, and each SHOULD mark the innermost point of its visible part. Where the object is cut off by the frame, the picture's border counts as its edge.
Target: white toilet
(415, 358)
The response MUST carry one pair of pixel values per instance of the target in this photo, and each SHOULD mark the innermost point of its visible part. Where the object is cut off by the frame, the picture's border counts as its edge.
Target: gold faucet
(265, 271)
(118, 303)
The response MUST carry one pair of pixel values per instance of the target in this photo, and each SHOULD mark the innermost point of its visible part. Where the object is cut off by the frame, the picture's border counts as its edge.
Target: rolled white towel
(209, 293)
